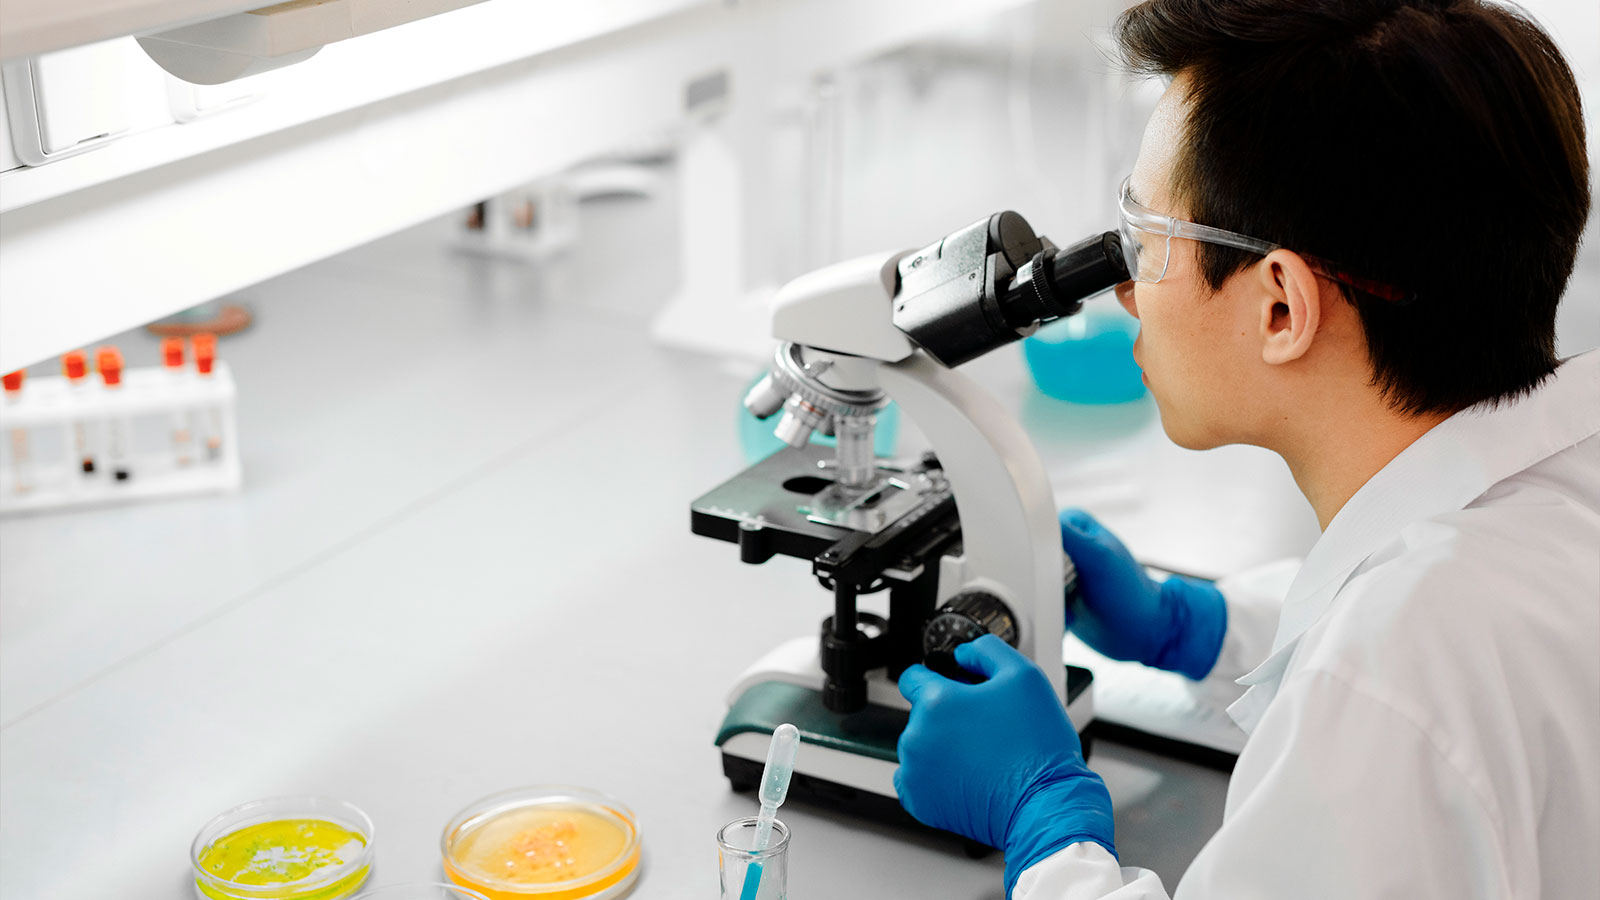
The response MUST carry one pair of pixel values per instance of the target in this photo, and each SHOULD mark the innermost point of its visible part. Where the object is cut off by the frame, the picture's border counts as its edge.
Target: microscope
(965, 539)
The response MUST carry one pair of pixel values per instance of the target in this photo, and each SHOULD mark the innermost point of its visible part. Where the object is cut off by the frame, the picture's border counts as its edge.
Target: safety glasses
(1147, 246)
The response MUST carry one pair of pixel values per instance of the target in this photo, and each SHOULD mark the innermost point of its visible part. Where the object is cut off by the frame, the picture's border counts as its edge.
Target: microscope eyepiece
(996, 281)
(1054, 284)
(1090, 266)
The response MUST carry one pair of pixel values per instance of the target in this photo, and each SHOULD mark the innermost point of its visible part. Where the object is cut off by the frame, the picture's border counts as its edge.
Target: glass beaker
(1087, 358)
(749, 874)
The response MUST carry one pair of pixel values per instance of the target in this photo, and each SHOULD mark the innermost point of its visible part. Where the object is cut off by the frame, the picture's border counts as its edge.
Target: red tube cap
(109, 361)
(75, 365)
(205, 351)
(13, 381)
(172, 352)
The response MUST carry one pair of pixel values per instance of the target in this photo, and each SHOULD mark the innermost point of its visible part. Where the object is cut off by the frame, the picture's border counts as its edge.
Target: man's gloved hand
(998, 761)
(1176, 625)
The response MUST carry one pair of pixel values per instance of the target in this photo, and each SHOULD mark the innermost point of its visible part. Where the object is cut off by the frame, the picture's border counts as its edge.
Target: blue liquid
(752, 882)
(1087, 358)
(758, 441)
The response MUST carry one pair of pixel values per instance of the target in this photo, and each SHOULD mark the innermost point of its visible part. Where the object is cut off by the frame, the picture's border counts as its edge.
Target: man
(1390, 196)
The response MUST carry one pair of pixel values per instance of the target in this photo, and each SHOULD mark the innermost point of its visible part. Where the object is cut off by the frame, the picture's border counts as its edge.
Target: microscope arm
(1011, 545)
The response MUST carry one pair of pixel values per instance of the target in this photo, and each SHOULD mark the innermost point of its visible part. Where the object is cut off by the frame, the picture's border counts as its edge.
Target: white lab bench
(462, 563)
(461, 560)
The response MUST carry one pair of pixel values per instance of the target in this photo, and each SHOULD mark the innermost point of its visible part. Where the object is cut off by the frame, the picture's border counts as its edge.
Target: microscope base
(847, 761)
(744, 776)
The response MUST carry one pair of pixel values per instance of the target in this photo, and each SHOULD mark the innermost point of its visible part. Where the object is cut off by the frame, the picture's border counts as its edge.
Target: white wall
(1575, 25)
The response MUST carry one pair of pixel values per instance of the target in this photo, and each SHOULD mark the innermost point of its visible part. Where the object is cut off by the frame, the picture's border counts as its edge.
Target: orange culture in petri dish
(544, 844)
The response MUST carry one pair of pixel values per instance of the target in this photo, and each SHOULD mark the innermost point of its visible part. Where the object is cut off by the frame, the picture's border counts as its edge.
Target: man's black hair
(1436, 146)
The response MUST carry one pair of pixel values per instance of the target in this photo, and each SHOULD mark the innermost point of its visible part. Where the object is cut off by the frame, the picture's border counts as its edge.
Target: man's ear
(1291, 306)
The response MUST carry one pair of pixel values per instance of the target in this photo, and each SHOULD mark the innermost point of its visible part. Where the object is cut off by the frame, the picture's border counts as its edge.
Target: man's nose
(1125, 297)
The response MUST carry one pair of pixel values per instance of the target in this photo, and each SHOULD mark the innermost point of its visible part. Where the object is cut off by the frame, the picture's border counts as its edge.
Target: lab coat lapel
(1264, 680)
(1442, 471)
(1429, 477)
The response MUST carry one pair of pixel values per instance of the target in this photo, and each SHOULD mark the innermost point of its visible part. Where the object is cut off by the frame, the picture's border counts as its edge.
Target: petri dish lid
(610, 877)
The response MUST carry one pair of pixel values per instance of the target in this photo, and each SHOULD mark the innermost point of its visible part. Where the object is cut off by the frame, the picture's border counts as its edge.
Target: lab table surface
(461, 563)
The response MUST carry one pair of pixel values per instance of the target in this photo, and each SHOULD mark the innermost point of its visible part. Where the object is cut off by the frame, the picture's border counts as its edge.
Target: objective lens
(799, 420)
(764, 398)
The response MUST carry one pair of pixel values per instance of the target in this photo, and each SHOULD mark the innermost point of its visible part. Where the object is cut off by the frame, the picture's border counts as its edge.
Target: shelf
(376, 134)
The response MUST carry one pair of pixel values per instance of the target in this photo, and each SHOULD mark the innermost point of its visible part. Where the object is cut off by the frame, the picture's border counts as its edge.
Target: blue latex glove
(1175, 625)
(998, 761)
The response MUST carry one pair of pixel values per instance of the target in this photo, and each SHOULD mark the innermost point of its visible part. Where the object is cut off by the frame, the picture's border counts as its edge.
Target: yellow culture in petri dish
(303, 848)
(549, 843)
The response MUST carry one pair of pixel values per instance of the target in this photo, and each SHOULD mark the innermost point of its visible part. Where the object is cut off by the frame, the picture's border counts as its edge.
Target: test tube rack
(148, 401)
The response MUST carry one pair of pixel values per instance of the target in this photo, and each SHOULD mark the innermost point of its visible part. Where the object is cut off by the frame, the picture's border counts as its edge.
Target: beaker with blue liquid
(1087, 358)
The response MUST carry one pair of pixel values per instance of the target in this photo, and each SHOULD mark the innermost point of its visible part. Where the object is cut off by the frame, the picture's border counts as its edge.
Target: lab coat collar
(1448, 467)
(1444, 470)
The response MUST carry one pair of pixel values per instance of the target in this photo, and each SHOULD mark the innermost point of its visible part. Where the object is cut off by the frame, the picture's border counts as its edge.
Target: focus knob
(967, 616)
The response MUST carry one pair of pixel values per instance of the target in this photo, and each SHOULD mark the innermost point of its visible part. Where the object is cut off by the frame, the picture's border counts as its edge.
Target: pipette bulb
(780, 765)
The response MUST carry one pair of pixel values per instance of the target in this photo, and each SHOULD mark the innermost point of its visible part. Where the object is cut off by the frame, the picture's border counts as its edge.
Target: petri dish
(421, 891)
(286, 848)
(546, 842)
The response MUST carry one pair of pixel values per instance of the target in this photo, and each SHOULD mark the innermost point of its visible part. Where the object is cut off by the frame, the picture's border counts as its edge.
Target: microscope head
(974, 290)
(994, 282)
(845, 308)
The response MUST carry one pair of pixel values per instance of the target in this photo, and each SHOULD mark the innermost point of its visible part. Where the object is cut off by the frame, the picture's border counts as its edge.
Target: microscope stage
(781, 505)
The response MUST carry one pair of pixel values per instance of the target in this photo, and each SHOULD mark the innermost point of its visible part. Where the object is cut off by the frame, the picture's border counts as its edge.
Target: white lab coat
(1427, 719)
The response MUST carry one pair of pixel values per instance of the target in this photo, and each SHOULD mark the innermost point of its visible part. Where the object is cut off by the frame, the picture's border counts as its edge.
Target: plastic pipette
(774, 787)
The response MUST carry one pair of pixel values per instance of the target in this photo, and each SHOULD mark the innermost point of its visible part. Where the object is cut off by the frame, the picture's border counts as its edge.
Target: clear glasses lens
(1144, 252)
(1144, 247)
(1132, 248)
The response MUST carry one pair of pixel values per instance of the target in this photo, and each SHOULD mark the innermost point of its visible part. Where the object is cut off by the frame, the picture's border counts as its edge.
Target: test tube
(205, 360)
(177, 378)
(119, 431)
(75, 366)
(21, 455)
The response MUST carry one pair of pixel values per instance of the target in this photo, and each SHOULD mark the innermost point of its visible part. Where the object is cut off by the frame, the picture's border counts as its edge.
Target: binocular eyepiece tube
(996, 281)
